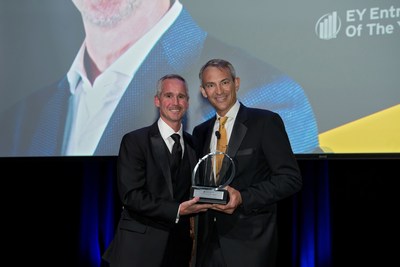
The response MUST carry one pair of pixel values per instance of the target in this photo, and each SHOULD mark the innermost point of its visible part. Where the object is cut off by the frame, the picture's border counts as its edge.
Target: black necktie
(176, 152)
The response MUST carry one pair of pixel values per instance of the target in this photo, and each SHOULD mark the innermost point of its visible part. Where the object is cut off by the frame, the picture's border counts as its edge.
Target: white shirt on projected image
(92, 105)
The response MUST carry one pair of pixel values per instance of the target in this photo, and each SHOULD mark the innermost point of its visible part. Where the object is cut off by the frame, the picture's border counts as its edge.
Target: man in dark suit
(154, 228)
(128, 46)
(244, 231)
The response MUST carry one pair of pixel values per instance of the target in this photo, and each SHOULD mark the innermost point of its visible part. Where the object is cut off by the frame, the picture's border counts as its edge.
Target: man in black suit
(243, 232)
(154, 228)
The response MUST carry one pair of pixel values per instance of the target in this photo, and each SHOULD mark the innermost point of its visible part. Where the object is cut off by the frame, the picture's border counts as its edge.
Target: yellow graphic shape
(376, 133)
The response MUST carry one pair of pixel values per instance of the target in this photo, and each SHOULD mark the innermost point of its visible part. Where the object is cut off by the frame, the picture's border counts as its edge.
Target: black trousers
(212, 256)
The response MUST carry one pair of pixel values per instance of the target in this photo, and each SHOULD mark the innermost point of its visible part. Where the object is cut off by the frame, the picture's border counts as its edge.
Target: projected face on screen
(90, 73)
(106, 14)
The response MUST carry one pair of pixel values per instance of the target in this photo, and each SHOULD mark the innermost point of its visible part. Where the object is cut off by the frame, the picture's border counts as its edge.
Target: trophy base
(211, 195)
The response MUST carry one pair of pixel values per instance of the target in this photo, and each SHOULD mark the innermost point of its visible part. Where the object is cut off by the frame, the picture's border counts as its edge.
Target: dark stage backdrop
(63, 212)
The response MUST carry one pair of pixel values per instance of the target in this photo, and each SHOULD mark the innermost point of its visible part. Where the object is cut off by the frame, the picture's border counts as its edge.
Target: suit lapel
(191, 153)
(209, 133)
(238, 132)
(160, 152)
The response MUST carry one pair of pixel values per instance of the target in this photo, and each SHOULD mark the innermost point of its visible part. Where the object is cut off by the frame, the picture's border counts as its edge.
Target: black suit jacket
(149, 206)
(266, 172)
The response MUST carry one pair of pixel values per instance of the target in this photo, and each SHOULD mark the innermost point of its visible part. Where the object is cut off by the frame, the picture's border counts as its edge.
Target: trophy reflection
(209, 180)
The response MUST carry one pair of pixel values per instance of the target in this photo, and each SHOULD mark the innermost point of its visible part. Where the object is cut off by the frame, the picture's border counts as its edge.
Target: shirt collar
(165, 130)
(130, 61)
(231, 114)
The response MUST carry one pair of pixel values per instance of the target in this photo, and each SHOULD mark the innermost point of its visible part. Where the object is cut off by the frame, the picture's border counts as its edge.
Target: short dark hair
(220, 64)
(171, 76)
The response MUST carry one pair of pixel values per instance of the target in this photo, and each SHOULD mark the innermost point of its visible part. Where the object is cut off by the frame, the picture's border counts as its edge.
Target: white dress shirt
(166, 133)
(232, 113)
(91, 105)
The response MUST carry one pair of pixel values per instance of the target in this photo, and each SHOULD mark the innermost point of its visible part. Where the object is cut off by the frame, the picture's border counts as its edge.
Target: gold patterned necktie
(221, 145)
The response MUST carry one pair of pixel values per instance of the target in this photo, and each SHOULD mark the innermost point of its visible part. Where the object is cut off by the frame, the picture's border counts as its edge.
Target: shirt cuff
(177, 215)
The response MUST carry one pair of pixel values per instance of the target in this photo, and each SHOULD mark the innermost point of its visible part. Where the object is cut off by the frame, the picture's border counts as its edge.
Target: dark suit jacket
(266, 172)
(150, 205)
(35, 127)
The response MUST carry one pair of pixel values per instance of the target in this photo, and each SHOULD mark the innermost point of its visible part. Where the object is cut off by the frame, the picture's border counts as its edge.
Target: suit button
(215, 219)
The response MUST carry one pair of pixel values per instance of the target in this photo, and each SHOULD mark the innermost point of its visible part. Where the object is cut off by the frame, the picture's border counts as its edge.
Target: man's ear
(156, 101)
(203, 92)
(237, 83)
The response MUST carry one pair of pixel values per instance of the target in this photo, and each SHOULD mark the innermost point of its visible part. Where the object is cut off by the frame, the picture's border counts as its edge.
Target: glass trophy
(207, 183)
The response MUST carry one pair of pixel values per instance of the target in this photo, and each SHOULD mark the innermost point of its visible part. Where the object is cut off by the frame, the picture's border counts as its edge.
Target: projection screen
(340, 58)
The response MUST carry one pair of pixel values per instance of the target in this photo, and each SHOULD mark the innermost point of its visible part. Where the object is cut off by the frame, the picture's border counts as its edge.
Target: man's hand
(191, 206)
(235, 199)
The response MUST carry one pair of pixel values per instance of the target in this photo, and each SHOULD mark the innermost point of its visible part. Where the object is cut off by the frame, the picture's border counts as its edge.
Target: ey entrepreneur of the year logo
(366, 21)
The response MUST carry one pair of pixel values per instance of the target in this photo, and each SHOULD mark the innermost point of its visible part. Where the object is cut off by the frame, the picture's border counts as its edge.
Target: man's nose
(218, 88)
(175, 100)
